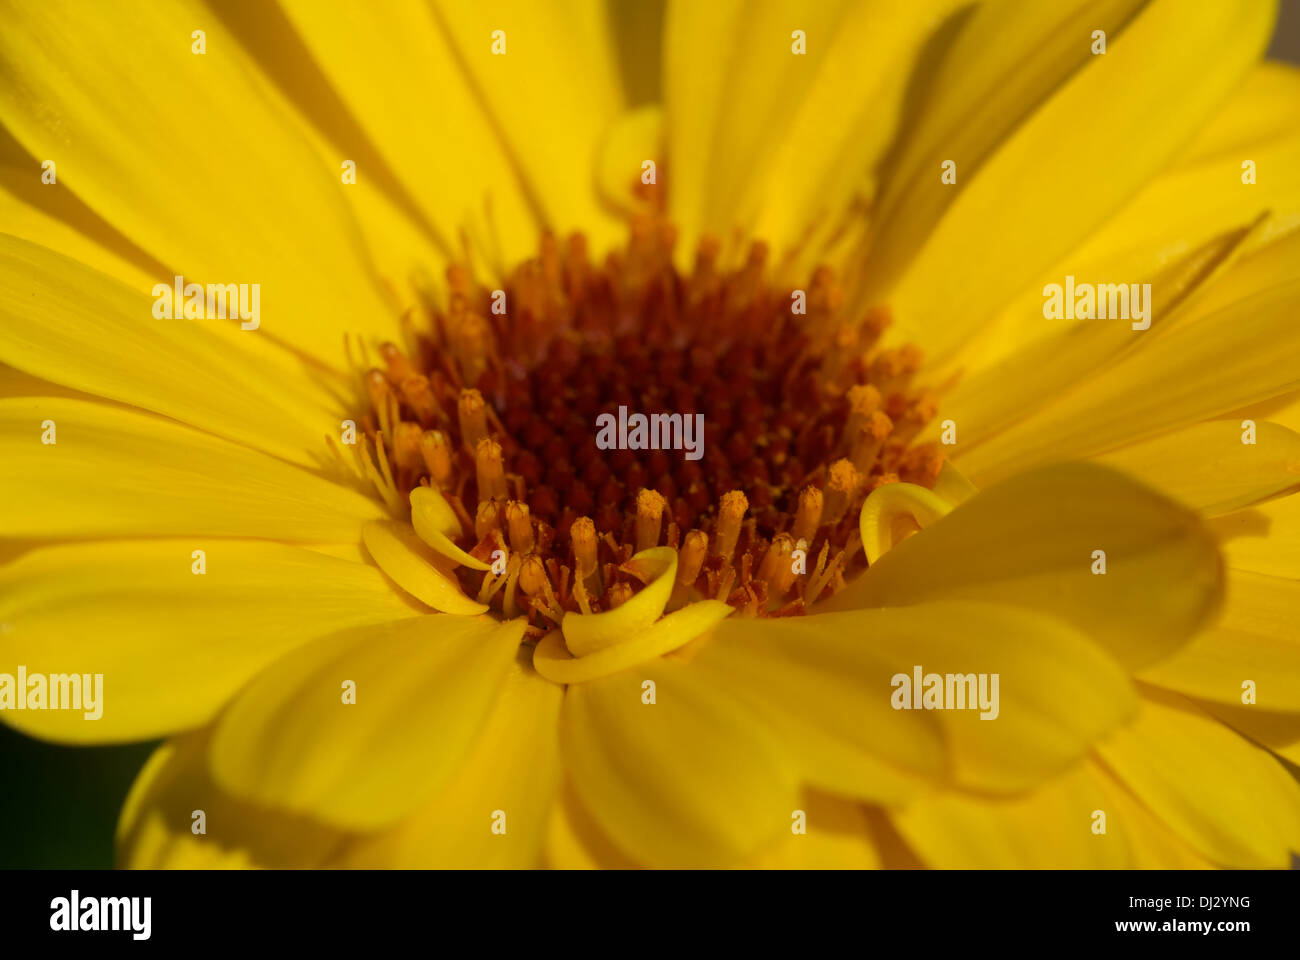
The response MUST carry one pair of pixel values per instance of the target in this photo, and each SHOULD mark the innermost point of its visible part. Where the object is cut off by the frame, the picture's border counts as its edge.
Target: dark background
(1286, 35)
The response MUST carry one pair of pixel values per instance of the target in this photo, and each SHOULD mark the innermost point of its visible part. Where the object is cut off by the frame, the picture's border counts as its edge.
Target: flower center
(584, 412)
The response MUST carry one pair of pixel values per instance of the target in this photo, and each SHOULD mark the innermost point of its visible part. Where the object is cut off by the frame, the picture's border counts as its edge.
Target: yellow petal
(59, 220)
(423, 690)
(407, 253)
(415, 568)
(1209, 468)
(892, 849)
(1045, 360)
(694, 779)
(836, 836)
(16, 383)
(1030, 542)
(399, 77)
(1262, 109)
(1263, 539)
(695, 79)
(663, 636)
(1278, 732)
(1254, 640)
(891, 502)
(637, 30)
(213, 179)
(842, 126)
(1231, 801)
(1202, 368)
(829, 683)
(814, 122)
(1198, 197)
(1053, 827)
(172, 645)
(824, 685)
(62, 321)
(120, 472)
(1003, 62)
(1152, 845)
(586, 633)
(1264, 265)
(1038, 191)
(494, 813)
(574, 842)
(634, 138)
(757, 58)
(157, 829)
(1283, 409)
(1056, 693)
(436, 523)
(952, 485)
(1049, 828)
(558, 62)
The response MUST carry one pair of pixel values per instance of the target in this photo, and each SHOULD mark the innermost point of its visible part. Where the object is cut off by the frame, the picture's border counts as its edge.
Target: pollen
(494, 398)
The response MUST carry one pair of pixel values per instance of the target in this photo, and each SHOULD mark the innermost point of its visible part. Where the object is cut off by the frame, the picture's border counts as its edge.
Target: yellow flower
(475, 638)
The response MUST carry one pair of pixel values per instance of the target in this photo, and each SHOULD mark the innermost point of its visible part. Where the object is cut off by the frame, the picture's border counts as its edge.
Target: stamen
(922, 465)
(509, 602)
(690, 558)
(490, 469)
(472, 412)
(406, 446)
(520, 526)
(436, 452)
(381, 478)
(775, 570)
(470, 347)
(918, 413)
(487, 521)
(399, 368)
(618, 594)
(583, 535)
(418, 395)
(649, 518)
(804, 416)
(809, 515)
(843, 483)
(532, 576)
(377, 386)
(864, 400)
(869, 441)
(730, 514)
